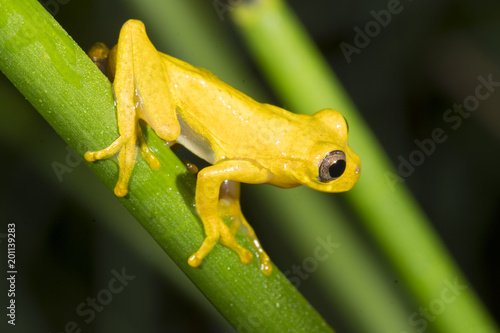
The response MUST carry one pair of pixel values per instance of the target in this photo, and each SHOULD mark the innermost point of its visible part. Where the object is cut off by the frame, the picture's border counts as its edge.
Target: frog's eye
(332, 166)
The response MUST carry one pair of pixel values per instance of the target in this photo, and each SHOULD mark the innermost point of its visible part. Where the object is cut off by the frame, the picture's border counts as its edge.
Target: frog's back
(219, 122)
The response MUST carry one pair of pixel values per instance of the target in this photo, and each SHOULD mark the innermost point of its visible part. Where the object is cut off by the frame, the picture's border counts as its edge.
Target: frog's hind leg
(146, 153)
(127, 121)
(140, 82)
(99, 54)
(229, 207)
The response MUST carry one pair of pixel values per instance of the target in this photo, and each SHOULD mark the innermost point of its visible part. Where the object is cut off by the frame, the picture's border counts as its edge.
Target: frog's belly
(195, 142)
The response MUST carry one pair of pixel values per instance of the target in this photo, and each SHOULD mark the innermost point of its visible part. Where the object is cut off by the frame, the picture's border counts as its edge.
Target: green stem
(59, 80)
(304, 81)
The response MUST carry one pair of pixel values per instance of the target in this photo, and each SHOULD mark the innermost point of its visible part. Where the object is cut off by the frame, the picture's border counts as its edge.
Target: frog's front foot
(227, 239)
(207, 246)
(229, 207)
(126, 160)
(265, 262)
(230, 241)
(127, 147)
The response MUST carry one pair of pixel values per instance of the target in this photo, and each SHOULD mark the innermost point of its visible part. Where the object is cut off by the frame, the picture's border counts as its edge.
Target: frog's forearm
(207, 204)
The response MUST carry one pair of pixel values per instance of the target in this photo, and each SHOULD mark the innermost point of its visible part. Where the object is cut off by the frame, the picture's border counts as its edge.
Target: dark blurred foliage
(427, 59)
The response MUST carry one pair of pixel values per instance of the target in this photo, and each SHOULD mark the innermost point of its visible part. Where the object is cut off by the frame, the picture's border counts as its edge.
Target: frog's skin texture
(245, 141)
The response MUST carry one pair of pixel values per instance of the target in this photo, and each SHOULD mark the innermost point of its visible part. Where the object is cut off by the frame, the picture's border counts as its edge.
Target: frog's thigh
(127, 126)
(229, 207)
(207, 198)
(150, 72)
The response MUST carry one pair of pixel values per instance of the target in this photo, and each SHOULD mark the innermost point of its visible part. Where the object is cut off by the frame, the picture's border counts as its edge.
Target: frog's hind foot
(99, 54)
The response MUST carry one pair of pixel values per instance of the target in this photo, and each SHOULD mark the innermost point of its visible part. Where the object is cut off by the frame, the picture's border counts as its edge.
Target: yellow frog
(245, 141)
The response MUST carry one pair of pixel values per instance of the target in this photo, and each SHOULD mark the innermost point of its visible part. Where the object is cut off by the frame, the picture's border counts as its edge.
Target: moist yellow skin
(245, 141)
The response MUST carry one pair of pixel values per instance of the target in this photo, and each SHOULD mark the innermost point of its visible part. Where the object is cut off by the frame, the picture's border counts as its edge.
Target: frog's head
(333, 166)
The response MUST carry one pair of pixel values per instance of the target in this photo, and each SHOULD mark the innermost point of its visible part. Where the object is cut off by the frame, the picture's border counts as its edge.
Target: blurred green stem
(61, 82)
(304, 81)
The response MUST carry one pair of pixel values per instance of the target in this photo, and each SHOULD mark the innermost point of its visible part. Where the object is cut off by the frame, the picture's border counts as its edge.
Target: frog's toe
(151, 159)
(120, 190)
(245, 255)
(90, 156)
(265, 265)
(192, 168)
(205, 248)
(147, 154)
(231, 242)
(194, 260)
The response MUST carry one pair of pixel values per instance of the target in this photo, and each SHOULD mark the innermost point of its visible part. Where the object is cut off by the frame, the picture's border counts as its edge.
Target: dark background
(427, 59)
